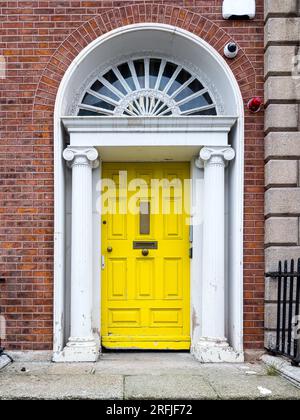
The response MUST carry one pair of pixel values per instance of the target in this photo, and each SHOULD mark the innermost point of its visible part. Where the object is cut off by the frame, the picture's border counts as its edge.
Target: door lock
(145, 252)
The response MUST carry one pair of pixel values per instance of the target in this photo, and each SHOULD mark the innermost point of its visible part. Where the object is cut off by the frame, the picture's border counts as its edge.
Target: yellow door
(145, 256)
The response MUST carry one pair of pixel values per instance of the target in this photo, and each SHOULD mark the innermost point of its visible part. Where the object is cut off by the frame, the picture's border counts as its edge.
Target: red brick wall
(39, 40)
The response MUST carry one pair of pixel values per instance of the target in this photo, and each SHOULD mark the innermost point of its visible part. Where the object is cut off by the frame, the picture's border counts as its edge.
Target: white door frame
(225, 83)
(208, 137)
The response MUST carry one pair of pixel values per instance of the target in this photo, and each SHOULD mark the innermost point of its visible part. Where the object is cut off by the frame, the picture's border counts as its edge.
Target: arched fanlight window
(147, 87)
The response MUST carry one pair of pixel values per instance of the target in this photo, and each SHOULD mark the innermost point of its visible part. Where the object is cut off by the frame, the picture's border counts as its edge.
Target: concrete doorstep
(142, 376)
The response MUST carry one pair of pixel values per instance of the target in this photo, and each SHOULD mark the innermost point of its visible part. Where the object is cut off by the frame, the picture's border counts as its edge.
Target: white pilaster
(213, 346)
(82, 345)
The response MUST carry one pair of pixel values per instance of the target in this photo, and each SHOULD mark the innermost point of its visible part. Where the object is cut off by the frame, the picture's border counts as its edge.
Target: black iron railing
(288, 311)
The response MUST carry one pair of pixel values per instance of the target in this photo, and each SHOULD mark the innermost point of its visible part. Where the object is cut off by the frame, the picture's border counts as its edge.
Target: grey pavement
(132, 376)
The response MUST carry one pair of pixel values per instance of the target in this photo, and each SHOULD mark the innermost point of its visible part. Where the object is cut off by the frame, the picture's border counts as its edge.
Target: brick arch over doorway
(27, 331)
(195, 23)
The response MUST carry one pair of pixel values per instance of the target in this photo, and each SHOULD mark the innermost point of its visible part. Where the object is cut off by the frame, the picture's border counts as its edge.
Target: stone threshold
(284, 368)
(4, 361)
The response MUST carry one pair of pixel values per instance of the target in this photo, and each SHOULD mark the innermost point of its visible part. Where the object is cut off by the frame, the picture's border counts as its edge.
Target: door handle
(109, 249)
(145, 252)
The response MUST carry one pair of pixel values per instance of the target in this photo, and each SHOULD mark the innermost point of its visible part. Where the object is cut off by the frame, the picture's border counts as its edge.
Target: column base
(78, 350)
(212, 350)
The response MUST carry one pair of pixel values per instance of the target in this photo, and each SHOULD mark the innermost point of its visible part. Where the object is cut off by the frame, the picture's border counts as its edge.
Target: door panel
(117, 278)
(146, 298)
(145, 271)
(173, 280)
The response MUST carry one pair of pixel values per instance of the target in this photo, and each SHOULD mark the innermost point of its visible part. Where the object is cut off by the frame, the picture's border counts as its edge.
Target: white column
(213, 346)
(214, 241)
(82, 345)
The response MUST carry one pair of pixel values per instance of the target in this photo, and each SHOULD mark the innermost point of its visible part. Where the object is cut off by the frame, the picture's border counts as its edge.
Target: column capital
(81, 156)
(216, 155)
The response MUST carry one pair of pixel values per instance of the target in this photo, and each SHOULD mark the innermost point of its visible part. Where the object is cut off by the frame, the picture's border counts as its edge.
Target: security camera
(231, 50)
